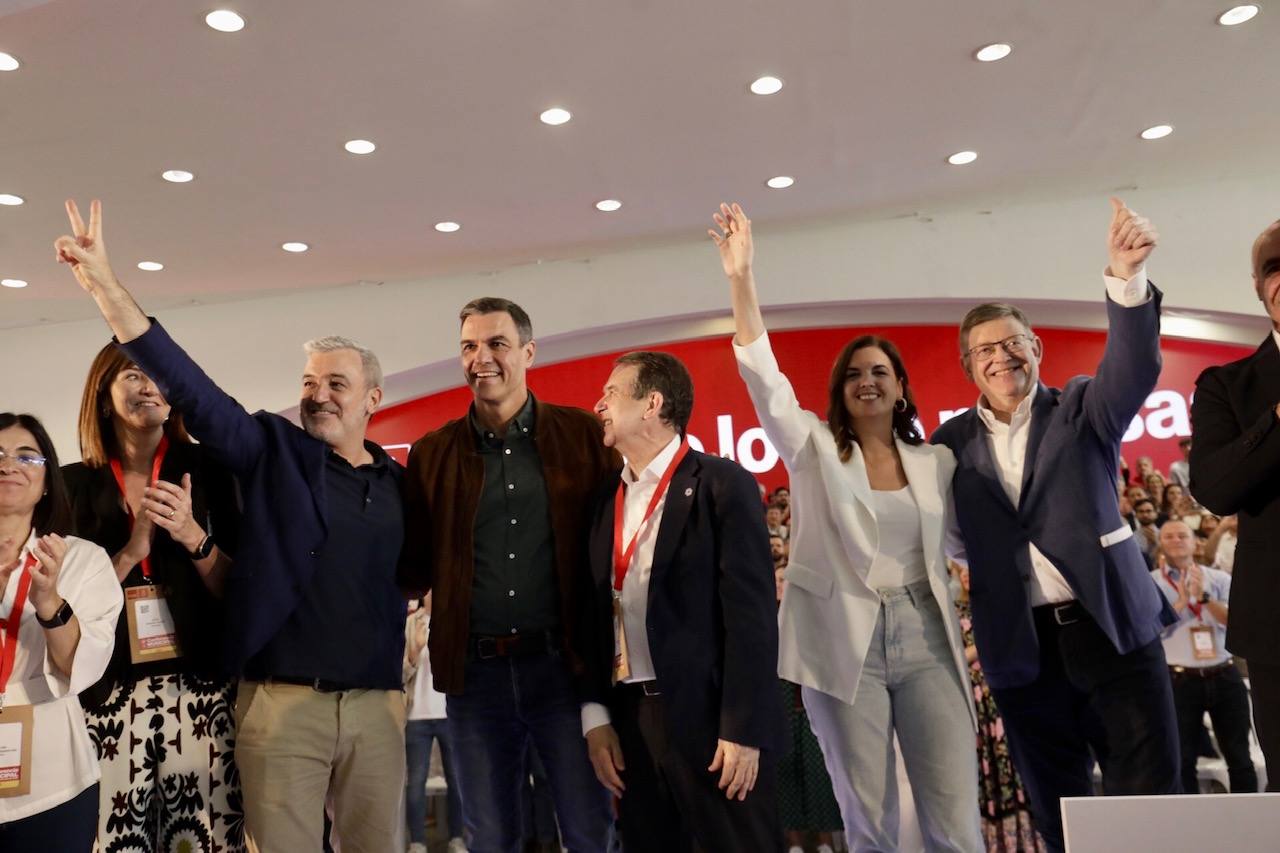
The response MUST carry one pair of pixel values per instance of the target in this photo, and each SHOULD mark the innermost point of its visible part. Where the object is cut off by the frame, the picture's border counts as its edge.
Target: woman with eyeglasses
(867, 624)
(161, 716)
(59, 608)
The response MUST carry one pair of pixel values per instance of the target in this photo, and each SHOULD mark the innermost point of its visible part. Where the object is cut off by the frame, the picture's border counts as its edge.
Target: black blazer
(1235, 468)
(712, 617)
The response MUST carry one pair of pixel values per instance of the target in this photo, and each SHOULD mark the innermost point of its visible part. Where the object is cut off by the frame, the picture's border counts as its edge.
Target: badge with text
(16, 724)
(152, 635)
(1204, 645)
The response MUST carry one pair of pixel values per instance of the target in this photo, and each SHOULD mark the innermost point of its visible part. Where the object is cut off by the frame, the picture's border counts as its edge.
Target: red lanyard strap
(118, 470)
(1194, 605)
(14, 622)
(622, 556)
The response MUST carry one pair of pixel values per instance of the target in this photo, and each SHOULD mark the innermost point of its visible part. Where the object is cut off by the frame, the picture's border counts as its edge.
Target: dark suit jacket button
(315, 553)
(1026, 577)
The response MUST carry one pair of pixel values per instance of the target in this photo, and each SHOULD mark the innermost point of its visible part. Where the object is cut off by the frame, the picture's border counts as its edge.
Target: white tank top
(900, 560)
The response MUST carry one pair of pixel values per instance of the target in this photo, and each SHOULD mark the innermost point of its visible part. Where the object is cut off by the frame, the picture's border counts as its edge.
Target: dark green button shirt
(515, 588)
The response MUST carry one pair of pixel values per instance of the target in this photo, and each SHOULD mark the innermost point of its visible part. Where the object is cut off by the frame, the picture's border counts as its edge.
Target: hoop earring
(903, 406)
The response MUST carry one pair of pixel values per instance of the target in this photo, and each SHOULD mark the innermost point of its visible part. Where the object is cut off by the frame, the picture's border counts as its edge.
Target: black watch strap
(60, 618)
(204, 549)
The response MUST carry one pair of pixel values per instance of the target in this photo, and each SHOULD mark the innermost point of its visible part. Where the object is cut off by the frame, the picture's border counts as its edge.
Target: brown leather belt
(1201, 671)
(515, 645)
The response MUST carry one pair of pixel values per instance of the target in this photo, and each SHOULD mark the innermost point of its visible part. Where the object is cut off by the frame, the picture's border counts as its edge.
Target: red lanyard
(14, 622)
(621, 556)
(118, 470)
(1195, 605)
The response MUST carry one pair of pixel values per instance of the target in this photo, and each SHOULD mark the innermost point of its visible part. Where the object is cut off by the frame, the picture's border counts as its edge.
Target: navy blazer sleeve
(1129, 369)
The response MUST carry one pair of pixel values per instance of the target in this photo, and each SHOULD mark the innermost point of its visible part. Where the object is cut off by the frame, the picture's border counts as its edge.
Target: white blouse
(900, 559)
(63, 760)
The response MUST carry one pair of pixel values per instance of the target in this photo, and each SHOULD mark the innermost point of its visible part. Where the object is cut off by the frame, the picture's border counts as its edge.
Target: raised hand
(84, 250)
(50, 551)
(733, 240)
(1130, 240)
(168, 506)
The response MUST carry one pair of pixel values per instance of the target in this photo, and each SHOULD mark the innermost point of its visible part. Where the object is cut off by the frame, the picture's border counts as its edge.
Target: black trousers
(1090, 702)
(672, 806)
(67, 828)
(1225, 698)
(1264, 684)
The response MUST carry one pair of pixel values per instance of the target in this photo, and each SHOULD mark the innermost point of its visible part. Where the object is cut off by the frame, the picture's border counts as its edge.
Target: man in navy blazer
(315, 620)
(678, 632)
(1066, 619)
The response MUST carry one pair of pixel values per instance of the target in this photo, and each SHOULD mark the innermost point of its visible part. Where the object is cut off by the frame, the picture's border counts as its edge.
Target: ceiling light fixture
(993, 52)
(1237, 15)
(8, 63)
(15, 283)
(781, 182)
(11, 200)
(360, 146)
(224, 21)
(608, 205)
(447, 227)
(150, 266)
(962, 158)
(766, 86)
(555, 116)
(294, 247)
(177, 176)
(1160, 131)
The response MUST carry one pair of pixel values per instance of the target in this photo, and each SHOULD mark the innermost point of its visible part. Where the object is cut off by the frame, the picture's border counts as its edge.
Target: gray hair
(334, 343)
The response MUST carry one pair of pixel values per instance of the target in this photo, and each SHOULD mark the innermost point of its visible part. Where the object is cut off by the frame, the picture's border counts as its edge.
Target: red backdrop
(725, 423)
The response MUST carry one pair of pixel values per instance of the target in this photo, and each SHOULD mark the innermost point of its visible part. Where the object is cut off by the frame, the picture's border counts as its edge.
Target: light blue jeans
(909, 685)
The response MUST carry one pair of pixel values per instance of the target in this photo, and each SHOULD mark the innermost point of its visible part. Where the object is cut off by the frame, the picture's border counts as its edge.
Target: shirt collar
(1023, 411)
(655, 469)
(1275, 336)
(380, 457)
(523, 422)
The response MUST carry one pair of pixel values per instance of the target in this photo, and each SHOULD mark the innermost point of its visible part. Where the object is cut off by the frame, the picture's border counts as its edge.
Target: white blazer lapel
(849, 493)
(921, 467)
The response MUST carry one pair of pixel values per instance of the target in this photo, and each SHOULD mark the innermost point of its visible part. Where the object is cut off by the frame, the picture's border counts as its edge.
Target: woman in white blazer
(867, 626)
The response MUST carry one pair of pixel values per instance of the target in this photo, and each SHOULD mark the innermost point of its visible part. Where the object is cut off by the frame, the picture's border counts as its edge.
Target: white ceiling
(877, 95)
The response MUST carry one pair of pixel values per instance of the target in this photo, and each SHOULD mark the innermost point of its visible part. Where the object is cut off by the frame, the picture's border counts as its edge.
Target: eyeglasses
(1012, 344)
(29, 461)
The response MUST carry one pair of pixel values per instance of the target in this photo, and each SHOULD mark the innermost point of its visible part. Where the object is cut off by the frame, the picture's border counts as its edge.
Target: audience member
(1147, 531)
(1155, 487)
(681, 719)
(59, 626)
(1235, 469)
(773, 521)
(867, 624)
(320, 533)
(1205, 678)
(1145, 468)
(1180, 470)
(1066, 619)
(496, 505)
(1220, 547)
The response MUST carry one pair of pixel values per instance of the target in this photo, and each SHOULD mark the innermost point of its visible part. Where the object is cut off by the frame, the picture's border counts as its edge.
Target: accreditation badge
(621, 666)
(1204, 643)
(16, 724)
(152, 635)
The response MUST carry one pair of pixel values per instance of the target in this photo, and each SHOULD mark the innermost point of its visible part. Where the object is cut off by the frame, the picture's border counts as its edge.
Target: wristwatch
(62, 617)
(204, 549)
(1204, 598)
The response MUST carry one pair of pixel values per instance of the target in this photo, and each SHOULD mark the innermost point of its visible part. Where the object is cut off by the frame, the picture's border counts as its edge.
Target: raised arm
(85, 251)
(737, 252)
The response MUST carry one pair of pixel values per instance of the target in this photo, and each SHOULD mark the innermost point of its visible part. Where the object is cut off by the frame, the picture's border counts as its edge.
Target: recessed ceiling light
(360, 146)
(150, 266)
(962, 158)
(177, 176)
(8, 63)
(993, 52)
(608, 205)
(1160, 131)
(225, 21)
(294, 247)
(15, 283)
(447, 227)
(11, 200)
(781, 182)
(555, 115)
(766, 86)
(1237, 15)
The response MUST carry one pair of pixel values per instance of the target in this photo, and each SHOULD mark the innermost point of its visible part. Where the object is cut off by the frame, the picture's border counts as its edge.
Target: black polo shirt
(348, 627)
(514, 589)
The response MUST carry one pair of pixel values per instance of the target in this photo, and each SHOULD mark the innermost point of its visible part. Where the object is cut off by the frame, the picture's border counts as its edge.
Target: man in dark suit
(1066, 618)
(319, 540)
(679, 635)
(1235, 468)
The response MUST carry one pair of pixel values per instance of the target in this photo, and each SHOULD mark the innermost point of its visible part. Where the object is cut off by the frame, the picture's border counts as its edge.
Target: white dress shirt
(635, 587)
(1008, 444)
(63, 760)
(1177, 637)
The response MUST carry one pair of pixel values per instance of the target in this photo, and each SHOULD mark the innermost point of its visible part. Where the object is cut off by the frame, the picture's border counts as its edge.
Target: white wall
(1045, 255)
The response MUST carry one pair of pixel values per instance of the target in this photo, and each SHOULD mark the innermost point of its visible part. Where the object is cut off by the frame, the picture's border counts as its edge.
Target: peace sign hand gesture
(84, 250)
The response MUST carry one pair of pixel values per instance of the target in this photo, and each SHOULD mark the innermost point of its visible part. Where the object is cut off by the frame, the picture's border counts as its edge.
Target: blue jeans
(505, 704)
(418, 735)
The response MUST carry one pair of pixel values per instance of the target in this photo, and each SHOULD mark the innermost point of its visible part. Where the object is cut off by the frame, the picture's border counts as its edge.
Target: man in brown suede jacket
(496, 509)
